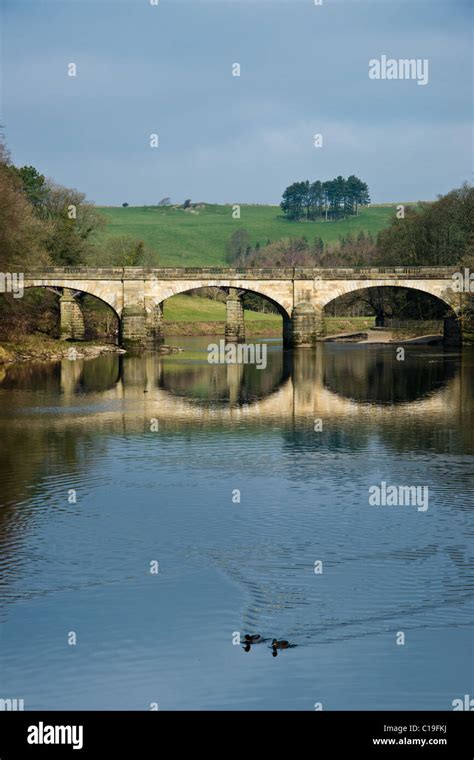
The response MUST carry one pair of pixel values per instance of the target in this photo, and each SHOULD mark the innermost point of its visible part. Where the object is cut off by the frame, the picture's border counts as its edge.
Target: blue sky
(167, 69)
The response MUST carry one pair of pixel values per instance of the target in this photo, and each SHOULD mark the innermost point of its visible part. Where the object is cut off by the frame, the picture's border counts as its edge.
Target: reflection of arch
(301, 396)
(85, 376)
(374, 376)
(236, 383)
(302, 390)
(295, 398)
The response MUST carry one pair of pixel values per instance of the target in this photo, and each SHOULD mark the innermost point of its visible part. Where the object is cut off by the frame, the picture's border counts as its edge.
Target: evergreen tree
(332, 199)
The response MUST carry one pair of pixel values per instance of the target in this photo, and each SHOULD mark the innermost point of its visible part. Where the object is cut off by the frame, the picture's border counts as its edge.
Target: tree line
(440, 233)
(43, 223)
(334, 199)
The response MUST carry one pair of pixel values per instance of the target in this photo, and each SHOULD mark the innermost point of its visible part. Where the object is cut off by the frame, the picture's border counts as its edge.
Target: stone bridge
(300, 294)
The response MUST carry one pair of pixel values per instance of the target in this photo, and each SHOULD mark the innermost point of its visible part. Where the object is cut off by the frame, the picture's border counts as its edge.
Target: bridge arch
(235, 308)
(72, 324)
(256, 290)
(111, 297)
(282, 300)
(452, 328)
(435, 290)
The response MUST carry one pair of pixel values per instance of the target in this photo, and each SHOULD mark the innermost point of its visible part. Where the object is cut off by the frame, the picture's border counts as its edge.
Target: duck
(250, 639)
(253, 638)
(279, 644)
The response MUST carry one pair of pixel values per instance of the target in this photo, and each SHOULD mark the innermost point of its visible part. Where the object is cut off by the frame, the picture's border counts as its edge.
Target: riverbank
(39, 347)
(257, 325)
(43, 348)
(253, 329)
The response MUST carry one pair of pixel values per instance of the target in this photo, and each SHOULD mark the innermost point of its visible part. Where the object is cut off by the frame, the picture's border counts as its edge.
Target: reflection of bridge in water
(73, 409)
(330, 383)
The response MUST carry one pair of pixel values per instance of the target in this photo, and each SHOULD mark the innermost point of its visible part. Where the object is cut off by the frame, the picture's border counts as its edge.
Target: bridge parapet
(239, 273)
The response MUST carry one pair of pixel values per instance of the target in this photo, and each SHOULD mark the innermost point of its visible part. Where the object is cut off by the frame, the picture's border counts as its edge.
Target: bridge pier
(235, 324)
(71, 318)
(307, 325)
(140, 327)
(133, 327)
(154, 324)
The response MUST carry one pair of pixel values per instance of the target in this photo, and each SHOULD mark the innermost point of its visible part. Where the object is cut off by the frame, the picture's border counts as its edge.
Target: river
(155, 507)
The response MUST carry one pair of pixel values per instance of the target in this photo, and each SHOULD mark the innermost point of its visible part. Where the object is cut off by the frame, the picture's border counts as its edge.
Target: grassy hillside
(182, 238)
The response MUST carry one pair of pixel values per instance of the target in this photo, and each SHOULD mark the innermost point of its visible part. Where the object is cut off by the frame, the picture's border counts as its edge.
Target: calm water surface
(169, 495)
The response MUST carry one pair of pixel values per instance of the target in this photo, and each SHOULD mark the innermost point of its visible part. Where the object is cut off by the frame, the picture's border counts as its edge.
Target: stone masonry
(300, 294)
(71, 317)
(235, 325)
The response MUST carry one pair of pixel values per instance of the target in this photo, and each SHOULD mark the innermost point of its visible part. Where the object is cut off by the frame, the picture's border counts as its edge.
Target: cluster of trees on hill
(334, 199)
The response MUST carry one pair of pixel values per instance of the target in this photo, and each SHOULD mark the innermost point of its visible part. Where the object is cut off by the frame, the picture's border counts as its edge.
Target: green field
(196, 309)
(181, 238)
(185, 315)
(194, 315)
(183, 308)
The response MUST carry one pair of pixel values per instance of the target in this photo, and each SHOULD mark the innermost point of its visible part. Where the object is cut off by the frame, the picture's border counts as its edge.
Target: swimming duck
(250, 639)
(253, 638)
(279, 644)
